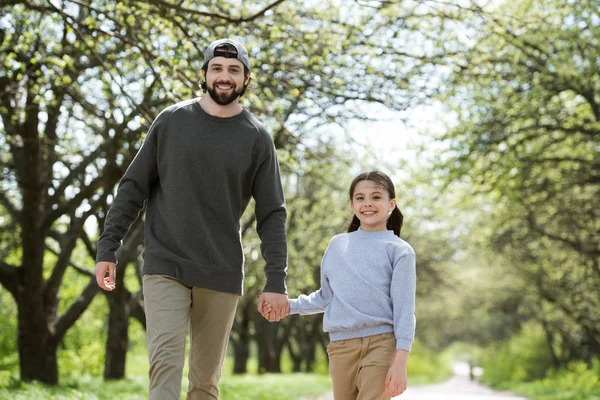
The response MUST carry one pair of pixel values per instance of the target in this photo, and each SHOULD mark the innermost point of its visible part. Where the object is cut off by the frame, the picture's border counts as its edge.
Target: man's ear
(248, 78)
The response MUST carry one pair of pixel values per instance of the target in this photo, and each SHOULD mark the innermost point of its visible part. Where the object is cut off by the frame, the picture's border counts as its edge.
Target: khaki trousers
(170, 307)
(358, 367)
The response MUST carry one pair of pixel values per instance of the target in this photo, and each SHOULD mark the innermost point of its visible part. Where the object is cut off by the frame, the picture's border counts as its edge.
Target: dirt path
(458, 387)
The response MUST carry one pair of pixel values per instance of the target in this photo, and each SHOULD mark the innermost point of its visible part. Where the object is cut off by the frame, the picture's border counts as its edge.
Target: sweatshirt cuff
(403, 344)
(293, 306)
(109, 256)
(276, 282)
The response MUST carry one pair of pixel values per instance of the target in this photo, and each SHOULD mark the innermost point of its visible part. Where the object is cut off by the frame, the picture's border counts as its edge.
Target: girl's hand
(266, 309)
(396, 380)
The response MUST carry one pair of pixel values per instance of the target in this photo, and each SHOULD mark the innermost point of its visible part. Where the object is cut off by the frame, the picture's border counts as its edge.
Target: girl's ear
(392, 205)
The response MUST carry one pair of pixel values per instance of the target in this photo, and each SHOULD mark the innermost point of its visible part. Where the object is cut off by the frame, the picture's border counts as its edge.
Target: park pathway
(459, 387)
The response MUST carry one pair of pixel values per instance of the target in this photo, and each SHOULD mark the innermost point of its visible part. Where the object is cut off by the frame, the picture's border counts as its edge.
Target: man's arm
(134, 188)
(271, 217)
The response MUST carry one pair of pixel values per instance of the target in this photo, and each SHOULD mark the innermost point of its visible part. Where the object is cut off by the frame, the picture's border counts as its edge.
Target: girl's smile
(371, 204)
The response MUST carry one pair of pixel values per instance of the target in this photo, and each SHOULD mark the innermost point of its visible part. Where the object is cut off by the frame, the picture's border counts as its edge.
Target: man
(201, 162)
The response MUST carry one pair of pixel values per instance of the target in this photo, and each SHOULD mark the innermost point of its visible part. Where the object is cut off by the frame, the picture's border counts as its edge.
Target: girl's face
(371, 204)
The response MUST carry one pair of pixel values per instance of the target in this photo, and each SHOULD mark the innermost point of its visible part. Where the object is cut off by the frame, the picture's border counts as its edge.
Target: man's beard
(223, 99)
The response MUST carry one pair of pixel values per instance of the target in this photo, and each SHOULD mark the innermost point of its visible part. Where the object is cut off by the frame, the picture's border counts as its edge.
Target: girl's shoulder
(397, 246)
(403, 246)
(340, 237)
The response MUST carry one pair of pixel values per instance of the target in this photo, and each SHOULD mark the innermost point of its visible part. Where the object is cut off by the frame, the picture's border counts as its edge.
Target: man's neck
(218, 110)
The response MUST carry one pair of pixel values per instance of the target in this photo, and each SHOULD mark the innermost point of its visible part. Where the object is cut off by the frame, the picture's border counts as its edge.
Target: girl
(367, 292)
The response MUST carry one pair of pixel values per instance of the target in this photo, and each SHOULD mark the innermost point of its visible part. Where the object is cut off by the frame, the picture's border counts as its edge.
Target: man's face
(224, 79)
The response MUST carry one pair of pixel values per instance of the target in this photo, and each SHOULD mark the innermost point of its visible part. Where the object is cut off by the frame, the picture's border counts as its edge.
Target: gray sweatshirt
(368, 283)
(198, 173)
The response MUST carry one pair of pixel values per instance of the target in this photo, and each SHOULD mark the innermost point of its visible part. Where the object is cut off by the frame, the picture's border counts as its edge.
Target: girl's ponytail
(394, 222)
(354, 224)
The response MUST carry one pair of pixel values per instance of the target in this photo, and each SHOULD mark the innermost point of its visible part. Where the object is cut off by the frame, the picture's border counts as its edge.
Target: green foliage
(524, 357)
(83, 348)
(425, 366)
(525, 95)
(575, 381)
(9, 362)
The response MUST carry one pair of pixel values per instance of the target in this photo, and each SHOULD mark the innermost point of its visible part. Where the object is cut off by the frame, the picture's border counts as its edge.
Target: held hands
(396, 380)
(273, 306)
(100, 270)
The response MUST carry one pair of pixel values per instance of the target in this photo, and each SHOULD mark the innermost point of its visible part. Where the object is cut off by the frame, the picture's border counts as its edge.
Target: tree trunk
(311, 351)
(117, 339)
(241, 355)
(274, 345)
(268, 356)
(241, 346)
(37, 350)
(119, 303)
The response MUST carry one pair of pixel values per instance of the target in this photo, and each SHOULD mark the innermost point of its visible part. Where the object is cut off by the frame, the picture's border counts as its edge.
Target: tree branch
(9, 277)
(66, 320)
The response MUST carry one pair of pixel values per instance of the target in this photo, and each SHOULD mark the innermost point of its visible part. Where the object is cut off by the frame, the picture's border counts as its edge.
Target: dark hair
(396, 218)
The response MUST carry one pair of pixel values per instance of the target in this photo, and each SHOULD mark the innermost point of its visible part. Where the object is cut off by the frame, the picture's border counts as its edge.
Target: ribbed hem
(362, 332)
(403, 344)
(293, 309)
(276, 282)
(385, 233)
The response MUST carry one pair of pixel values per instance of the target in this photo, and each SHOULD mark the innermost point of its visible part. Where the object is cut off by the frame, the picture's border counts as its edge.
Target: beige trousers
(358, 367)
(170, 308)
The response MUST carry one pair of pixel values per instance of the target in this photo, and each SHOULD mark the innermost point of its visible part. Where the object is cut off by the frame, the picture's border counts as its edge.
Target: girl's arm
(396, 381)
(317, 301)
(314, 303)
(403, 292)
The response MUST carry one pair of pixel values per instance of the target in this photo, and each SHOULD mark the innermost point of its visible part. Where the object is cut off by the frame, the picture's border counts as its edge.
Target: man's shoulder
(255, 122)
(182, 106)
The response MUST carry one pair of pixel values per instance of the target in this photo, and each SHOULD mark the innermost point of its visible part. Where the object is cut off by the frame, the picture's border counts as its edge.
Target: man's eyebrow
(221, 65)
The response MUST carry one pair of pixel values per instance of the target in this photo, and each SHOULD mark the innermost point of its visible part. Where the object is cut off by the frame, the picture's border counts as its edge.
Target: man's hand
(101, 269)
(280, 306)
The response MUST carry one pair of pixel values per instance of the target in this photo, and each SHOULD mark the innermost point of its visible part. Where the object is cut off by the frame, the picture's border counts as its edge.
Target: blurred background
(485, 113)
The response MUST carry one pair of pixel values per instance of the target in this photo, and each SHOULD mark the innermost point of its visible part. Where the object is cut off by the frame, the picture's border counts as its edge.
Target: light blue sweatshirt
(368, 283)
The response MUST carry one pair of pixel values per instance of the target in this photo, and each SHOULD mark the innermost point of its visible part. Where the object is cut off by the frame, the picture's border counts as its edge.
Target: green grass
(247, 387)
(83, 383)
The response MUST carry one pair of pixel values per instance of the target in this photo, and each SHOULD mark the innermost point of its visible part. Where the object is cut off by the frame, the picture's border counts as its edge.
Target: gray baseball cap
(240, 51)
